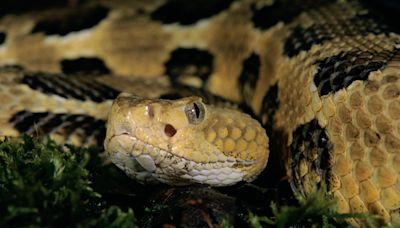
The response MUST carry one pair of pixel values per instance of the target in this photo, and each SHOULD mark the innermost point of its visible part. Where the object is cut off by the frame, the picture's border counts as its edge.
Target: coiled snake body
(320, 77)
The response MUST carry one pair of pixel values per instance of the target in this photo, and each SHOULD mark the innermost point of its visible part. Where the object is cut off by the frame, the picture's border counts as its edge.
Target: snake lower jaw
(149, 164)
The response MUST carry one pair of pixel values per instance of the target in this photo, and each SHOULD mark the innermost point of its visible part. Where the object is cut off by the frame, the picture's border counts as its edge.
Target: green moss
(317, 210)
(43, 184)
(46, 185)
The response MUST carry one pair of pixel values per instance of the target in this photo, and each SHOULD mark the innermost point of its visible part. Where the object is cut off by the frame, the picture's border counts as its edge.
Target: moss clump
(48, 185)
(44, 184)
(317, 210)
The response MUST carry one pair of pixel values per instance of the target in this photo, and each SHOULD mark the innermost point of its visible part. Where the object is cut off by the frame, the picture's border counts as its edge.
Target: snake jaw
(169, 141)
(149, 165)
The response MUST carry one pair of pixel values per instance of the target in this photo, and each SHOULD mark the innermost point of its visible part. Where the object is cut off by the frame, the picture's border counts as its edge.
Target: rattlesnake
(320, 76)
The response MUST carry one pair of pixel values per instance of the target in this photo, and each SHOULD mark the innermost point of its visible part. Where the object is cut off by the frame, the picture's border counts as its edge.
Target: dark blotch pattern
(76, 87)
(11, 69)
(189, 61)
(180, 91)
(2, 37)
(188, 12)
(249, 76)
(302, 39)
(282, 10)
(171, 96)
(87, 128)
(310, 145)
(22, 6)
(84, 65)
(339, 71)
(70, 20)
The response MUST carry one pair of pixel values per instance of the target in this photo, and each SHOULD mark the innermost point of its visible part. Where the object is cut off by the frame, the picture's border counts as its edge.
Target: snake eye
(195, 112)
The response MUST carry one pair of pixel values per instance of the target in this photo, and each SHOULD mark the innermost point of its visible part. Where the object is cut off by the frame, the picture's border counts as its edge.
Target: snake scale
(321, 78)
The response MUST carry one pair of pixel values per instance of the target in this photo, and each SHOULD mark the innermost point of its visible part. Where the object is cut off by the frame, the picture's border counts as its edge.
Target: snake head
(184, 141)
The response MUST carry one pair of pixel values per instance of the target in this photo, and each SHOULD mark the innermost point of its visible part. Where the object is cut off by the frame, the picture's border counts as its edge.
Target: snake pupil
(197, 110)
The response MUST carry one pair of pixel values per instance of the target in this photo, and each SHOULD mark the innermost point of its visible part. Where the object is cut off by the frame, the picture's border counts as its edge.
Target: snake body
(321, 78)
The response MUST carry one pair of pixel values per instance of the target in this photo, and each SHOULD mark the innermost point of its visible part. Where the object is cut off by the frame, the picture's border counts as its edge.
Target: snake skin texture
(322, 78)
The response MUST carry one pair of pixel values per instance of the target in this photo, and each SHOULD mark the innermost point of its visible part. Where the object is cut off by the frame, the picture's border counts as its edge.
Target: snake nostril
(169, 130)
